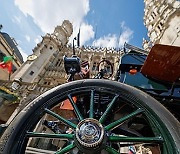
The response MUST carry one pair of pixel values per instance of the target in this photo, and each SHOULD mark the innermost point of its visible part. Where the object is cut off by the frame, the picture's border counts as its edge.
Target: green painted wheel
(93, 116)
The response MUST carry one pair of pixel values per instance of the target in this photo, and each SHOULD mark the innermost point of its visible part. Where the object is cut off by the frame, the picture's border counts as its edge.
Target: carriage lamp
(16, 84)
(132, 71)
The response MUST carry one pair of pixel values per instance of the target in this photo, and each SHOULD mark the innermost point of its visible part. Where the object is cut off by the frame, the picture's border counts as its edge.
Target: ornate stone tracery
(162, 19)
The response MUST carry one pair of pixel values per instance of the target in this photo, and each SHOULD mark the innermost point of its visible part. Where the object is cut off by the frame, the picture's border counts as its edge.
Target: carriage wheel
(92, 116)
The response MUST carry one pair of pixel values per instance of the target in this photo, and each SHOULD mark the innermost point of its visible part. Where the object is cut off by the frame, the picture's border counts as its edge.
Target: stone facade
(44, 54)
(44, 69)
(162, 19)
(8, 48)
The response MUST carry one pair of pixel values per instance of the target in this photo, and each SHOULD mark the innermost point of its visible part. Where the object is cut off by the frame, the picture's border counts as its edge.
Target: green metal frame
(161, 134)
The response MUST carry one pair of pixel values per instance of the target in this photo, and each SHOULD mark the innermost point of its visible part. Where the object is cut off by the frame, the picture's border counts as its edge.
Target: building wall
(33, 69)
(162, 19)
(48, 66)
(7, 50)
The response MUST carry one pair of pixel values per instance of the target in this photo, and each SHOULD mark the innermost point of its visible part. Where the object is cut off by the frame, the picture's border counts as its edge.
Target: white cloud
(106, 41)
(126, 35)
(28, 38)
(47, 14)
(38, 39)
(86, 33)
(16, 19)
(24, 55)
(112, 40)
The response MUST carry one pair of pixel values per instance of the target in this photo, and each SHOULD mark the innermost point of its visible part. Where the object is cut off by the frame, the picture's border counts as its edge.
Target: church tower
(162, 19)
(44, 54)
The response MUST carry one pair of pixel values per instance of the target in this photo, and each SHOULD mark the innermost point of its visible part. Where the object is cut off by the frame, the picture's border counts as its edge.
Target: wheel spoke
(91, 110)
(103, 117)
(116, 138)
(111, 150)
(121, 120)
(47, 135)
(76, 110)
(67, 122)
(66, 149)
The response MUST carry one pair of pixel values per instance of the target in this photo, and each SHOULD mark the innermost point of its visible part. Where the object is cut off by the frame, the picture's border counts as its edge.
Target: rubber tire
(23, 119)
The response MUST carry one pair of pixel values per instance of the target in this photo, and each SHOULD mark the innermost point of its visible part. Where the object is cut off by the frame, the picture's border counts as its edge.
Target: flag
(7, 63)
(8, 59)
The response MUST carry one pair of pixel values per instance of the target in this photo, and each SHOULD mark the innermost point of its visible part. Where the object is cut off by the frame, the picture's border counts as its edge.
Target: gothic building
(45, 66)
(162, 19)
(44, 69)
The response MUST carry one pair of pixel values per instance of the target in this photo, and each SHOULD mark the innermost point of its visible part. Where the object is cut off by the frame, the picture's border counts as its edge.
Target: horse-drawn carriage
(133, 114)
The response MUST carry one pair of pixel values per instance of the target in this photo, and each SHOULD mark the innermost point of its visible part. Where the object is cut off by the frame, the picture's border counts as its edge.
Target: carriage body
(167, 91)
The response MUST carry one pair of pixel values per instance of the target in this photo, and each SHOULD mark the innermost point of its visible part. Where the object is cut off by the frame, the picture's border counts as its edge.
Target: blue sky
(102, 23)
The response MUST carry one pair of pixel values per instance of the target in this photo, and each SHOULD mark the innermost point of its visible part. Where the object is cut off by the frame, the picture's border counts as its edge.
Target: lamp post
(73, 46)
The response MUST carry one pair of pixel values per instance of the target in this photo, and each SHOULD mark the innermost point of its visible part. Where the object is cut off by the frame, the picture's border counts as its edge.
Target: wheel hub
(89, 133)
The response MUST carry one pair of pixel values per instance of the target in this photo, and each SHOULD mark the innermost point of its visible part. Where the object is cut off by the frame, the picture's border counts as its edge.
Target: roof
(12, 45)
(135, 49)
